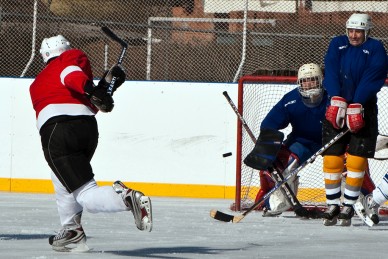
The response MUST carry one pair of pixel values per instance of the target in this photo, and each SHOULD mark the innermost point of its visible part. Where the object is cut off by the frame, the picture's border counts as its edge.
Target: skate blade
(79, 248)
(330, 222)
(147, 220)
(360, 211)
(269, 213)
(344, 222)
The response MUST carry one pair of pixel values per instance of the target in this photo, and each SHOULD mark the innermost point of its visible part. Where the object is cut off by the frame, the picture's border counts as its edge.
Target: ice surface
(184, 229)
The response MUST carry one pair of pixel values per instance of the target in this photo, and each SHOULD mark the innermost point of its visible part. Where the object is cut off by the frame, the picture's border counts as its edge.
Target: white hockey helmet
(360, 21)
(53, 47)
(310, 84)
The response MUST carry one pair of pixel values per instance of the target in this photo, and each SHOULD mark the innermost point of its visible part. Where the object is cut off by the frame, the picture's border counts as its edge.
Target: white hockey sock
(96, 199)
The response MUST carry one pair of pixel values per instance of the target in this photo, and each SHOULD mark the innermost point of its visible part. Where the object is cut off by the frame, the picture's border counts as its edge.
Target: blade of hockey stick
(124, 46)
(237, 218)
(113, 36)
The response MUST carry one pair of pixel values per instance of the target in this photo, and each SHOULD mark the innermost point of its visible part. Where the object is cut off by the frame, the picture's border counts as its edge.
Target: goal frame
(239, 159)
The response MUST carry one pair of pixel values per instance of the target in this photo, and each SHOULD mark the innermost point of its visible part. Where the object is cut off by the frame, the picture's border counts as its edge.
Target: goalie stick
(124, 46)
(275, 175)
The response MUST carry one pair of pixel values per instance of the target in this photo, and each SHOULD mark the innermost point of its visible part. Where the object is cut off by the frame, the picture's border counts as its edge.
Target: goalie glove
(99, 97)
(355, 117)
(336, 112)
(116, 71)
(266, 149)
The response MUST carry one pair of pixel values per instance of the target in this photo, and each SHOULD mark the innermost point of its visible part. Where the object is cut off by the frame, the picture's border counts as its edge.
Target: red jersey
(59, 88)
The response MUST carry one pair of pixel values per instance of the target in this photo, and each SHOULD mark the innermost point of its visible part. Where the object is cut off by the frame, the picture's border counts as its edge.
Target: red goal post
(256, 96)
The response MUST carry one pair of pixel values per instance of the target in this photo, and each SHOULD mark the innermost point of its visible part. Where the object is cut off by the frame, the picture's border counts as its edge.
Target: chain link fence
(185, 40)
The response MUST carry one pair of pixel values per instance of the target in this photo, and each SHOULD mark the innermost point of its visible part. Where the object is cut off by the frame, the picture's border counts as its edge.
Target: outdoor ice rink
(183, 229)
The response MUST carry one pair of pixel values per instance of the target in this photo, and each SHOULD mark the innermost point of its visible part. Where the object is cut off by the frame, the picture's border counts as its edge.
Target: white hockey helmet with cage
(53, 47)
(310, 84)
(360, 21)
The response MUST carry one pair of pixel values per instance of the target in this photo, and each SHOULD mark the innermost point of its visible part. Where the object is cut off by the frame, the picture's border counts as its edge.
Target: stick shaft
(244, 123)
(124, 46)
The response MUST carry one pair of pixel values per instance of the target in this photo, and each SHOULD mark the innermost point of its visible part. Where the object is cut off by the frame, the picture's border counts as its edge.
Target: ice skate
(330, 215)
(139, 204)
(270, 213)
(345, 216)
(371, 208)
(69, 240)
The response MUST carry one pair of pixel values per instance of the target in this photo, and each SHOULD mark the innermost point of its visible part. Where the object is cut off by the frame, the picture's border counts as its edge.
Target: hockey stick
(240, 117)
(218, 215)
(124, 46)
(275, 175)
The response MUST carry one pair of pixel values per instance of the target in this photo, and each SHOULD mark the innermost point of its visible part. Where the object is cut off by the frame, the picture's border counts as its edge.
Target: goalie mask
(359, 21)
(53, 47)
(310, 84)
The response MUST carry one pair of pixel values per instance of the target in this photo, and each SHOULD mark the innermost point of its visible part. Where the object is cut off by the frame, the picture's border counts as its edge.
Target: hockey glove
(355, 117)
(116, 71)
(336, 112)
(266, 149)
(99, 97)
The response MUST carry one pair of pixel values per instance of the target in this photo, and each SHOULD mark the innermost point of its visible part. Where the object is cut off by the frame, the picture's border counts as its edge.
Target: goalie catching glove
(99, 97)
(118, 73)
(336, 112)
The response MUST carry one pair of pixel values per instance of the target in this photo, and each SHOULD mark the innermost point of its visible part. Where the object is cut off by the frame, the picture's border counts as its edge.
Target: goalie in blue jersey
(303, 108)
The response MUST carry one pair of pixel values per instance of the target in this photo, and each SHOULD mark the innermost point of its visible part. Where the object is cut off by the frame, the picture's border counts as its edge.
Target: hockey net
(256, 96)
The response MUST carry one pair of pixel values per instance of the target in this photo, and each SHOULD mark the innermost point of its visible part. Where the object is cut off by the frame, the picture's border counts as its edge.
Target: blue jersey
(355, 73)
(306, 122)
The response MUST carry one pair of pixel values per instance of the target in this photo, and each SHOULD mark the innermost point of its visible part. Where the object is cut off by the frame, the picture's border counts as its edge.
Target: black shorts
(68, 144)
(362, 143)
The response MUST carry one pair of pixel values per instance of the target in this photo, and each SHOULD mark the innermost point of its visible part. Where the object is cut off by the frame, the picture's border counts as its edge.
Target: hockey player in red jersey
(66, 101)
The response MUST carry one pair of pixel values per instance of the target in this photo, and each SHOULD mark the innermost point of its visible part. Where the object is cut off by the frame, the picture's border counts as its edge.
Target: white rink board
(159, 132)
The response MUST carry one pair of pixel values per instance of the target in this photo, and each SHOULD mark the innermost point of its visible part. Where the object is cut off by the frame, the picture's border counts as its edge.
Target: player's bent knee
(356, 163)
(73, 171)
(333, 164)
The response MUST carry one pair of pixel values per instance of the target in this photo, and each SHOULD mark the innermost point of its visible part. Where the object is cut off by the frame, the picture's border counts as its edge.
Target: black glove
(116, 71)
(99, 97)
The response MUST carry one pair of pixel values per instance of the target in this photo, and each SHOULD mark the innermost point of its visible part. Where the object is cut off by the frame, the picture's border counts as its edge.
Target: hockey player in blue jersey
(303, 108)
(355, 70)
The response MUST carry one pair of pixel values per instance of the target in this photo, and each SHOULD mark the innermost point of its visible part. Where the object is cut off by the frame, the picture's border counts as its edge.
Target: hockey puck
(227, 154)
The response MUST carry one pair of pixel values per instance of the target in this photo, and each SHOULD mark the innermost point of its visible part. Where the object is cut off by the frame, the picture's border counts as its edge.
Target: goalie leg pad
(266, 149)
(277, 201)
(266, 184)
